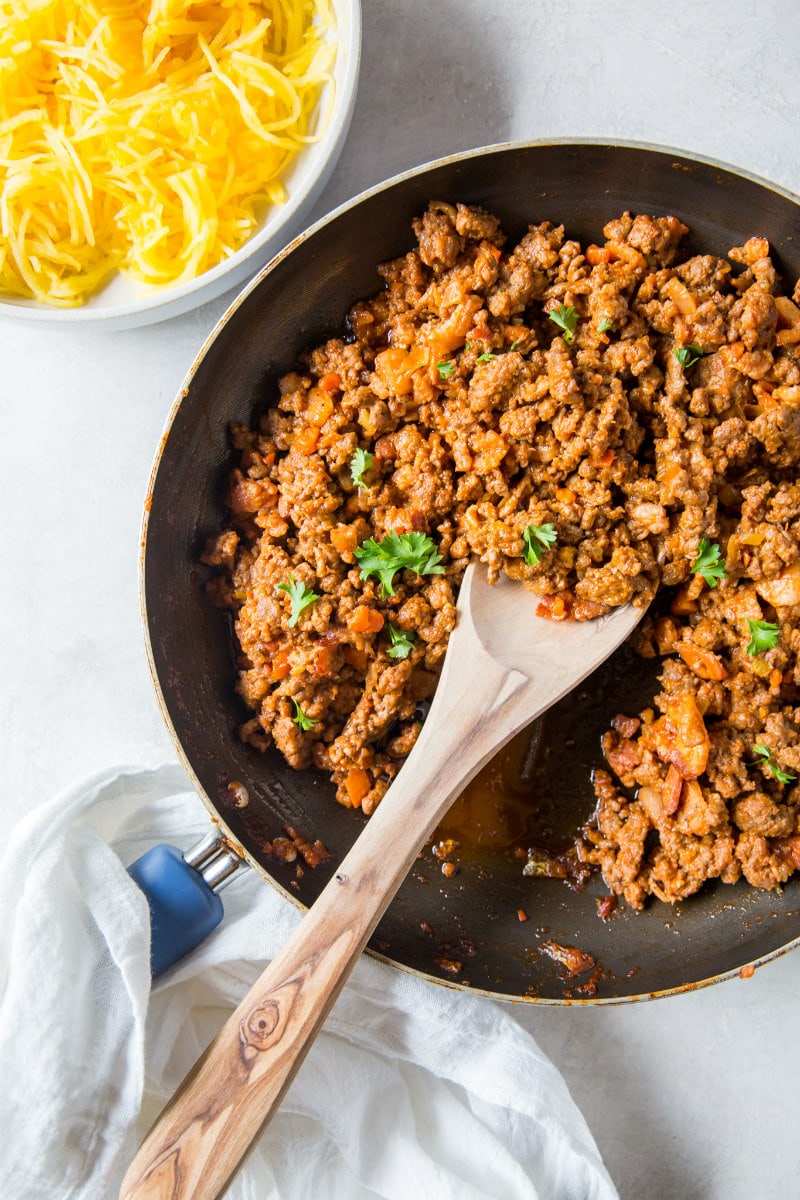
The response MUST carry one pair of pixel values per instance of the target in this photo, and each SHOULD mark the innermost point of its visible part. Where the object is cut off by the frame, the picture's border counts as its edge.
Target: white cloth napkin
(411, 1091)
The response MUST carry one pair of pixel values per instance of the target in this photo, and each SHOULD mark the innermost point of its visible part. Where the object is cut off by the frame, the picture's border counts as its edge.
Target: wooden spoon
(504, 666)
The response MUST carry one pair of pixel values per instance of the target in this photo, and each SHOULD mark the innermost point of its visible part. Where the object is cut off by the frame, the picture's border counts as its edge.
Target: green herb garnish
(445, 369)
(707, 564)
(537, 539)
(361, 461)
(402, 642)
(687, 356)
(300, 596)
(485, 357)
(604, 326)
(765, 758)
(415, 551)
(566, 317)
(300, 717)
(514, 345)
(763, 636)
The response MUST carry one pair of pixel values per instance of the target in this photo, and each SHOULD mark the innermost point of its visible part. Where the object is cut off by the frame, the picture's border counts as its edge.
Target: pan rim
(216, 816)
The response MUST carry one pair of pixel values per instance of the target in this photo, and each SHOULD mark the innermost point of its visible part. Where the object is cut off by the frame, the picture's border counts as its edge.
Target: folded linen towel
(411, 1090)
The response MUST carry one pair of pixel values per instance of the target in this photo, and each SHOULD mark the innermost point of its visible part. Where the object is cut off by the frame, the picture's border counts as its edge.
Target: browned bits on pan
(239, 794)
(451, 965)
(313, 852)
(282, 850)
(574, 960)
(606, 906)
(444, 848)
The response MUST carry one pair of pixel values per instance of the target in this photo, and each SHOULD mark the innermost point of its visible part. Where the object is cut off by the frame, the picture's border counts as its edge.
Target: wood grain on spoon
(504, 666)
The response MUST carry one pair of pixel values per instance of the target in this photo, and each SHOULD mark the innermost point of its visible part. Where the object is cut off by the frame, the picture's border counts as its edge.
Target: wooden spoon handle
(199, 1140)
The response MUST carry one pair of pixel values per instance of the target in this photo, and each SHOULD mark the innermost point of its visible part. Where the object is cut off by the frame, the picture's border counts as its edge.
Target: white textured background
(692, 1098)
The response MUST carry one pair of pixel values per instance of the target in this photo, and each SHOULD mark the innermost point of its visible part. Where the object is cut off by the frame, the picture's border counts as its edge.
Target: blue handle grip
(183, 908)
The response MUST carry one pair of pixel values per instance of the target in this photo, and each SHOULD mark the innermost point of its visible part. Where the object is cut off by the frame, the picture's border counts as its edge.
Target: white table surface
(694, 1097)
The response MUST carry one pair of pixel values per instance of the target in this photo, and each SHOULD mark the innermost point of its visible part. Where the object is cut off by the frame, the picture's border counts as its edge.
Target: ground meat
(595, 421)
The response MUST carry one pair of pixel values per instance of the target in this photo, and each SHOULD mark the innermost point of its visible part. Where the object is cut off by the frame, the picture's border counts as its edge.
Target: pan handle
(181, 891)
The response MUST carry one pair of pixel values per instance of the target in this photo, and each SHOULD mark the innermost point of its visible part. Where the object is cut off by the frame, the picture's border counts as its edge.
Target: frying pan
(463, 931)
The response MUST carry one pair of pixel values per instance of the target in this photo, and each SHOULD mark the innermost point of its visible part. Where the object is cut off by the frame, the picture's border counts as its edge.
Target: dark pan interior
(471, 919)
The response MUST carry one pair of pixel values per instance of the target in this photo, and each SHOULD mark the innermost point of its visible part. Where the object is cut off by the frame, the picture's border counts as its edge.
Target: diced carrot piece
(559, 608)
(306, 439)
(364, 619)
(553, 608)
(775, 678)
(357, 785)
(448, 335)
(680, 296)
(681, 736)
(752, 539)
(344, 538)
(395, 367)
(566, 495)
(605, 460)
(666, 635)
(682, 605)
(322, 661)
(320, 407)
(703, 662)
(628, 254)
(671, 790)
(330, 382)
(281, 666)
(598, 254)
(731, 353)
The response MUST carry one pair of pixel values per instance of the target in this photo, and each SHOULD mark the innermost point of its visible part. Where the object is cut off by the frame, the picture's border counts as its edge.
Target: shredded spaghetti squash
(147, 137)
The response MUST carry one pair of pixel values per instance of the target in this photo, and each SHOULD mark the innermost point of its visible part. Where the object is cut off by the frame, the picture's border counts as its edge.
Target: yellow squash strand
(149, 137)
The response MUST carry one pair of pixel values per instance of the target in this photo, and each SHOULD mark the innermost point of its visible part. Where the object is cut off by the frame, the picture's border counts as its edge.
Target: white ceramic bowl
(123, 303)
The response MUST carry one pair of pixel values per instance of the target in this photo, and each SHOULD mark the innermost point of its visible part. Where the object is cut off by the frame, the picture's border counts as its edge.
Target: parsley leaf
(687, 356)
(402, 642)
(361, 461)
(485, 357)
(445, 369)
(300, 717)
(604, 326)
(514, 345)
(765, 758)
(566, 317)
(300, 596)
(708, 564)
(763, 636)
(537, 539)
(415, 551)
